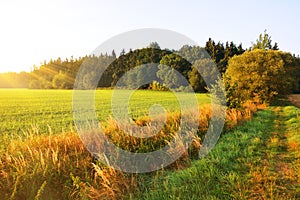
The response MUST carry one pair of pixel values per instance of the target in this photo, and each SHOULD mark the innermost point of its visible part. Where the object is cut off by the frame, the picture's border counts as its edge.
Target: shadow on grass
(281, 101)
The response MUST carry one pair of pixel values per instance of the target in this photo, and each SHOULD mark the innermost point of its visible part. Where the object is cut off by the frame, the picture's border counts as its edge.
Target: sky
(32, 31)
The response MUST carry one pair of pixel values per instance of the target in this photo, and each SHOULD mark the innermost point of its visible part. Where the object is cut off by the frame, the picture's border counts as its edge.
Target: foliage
(203, 70)
(264, 42)
(192, 53)
(261, 73)
(132, 59)
(14, 80)
(62, 81)
(56, 74)
(156, 86)
(139, 77)
(220, 54)
(154, 45)
(173, 71)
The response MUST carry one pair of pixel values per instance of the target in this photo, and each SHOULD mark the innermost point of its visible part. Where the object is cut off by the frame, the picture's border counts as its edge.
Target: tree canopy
(264, 42)
(261, 73)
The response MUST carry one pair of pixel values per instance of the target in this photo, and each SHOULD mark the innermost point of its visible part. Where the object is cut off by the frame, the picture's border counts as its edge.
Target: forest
(60, 74)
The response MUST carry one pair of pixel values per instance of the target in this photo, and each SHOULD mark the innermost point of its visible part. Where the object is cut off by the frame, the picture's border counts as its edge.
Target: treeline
(55, 74)
(14, 80)
(61, 74)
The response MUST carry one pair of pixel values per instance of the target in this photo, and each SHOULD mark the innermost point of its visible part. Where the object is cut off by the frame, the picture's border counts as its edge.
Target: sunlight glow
(33, 31)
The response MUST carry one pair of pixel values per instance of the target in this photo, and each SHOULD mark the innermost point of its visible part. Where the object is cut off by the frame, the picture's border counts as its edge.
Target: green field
(51, 110)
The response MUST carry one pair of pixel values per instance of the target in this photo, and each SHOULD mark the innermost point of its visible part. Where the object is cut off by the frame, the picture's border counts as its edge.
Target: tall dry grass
(41, 166)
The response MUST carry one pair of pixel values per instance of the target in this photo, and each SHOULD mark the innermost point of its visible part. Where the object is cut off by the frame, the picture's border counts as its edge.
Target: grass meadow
(42, 157)
(22, 110)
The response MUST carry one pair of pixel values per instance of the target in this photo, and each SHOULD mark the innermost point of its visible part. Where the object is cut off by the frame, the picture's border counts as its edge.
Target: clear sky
(33, 31)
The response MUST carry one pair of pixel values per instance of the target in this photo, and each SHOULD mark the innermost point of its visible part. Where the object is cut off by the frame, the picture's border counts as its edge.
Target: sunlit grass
(22, 110)
(257, 160)
(42, 165)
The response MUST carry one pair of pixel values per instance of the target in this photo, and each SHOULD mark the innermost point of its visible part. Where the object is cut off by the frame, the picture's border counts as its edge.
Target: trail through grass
(258, 160)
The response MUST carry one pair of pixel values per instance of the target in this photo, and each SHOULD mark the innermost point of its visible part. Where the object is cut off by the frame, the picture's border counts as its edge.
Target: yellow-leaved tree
(262, 73)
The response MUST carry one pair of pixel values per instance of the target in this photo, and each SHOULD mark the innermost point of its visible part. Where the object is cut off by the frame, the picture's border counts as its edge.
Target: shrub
(261, 73)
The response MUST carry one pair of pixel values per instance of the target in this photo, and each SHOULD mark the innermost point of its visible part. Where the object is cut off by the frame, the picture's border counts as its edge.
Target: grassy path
(258, 160)
(277, 177)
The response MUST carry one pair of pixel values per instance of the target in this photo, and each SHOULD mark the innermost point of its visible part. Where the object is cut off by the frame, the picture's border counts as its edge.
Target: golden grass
(58, 166)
